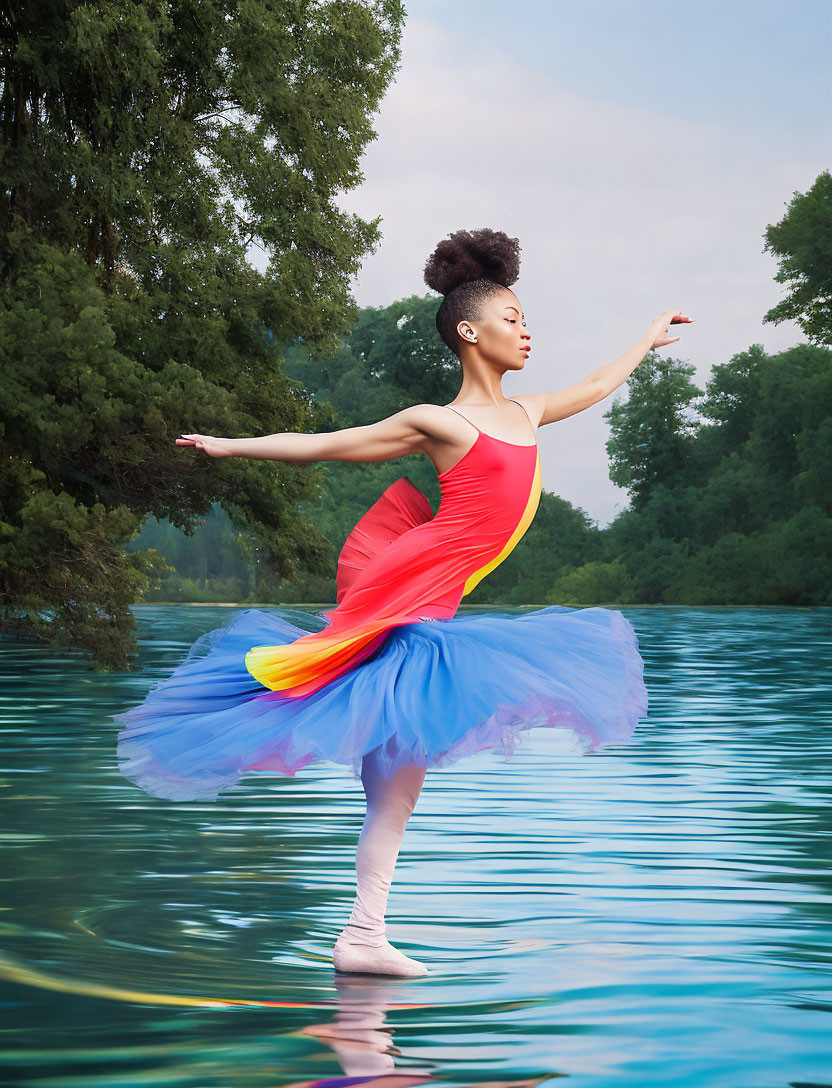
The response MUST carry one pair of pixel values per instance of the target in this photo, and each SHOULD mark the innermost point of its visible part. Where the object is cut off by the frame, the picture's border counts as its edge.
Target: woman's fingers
(673, 317)
(191, 440)
(208, 443)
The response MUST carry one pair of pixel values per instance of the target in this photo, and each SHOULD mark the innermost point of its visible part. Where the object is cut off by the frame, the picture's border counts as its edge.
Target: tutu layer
(432, 693)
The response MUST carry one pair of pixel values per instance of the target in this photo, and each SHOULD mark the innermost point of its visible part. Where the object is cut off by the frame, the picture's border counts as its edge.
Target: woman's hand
(214, 447)
(660, 327)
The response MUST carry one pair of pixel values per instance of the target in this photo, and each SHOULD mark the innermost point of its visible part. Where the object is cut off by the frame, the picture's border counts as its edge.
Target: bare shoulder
(546, 408)
(435, 421)
(534, 403)
(423, 416)
(418, 417)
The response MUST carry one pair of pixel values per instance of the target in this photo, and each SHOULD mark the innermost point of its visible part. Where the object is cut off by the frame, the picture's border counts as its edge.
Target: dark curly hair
(469, 268)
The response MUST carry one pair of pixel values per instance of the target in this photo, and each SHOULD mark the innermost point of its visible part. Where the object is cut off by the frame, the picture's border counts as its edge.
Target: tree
(145, 147)
(399, 345)
(392, 357)
(651, 433)
(732, 397)
(803, 242)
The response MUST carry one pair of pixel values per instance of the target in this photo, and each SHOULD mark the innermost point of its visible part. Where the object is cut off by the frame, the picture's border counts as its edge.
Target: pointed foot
(383, 959)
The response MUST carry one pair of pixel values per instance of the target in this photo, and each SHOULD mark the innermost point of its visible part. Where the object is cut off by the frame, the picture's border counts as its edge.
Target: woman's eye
(511, 319)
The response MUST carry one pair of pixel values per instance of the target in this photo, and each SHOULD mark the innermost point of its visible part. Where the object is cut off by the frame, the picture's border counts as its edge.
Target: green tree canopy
(803, 242)
(391, 358)
(749, 520)
(746, 519)
(146, 145)
(652, 431)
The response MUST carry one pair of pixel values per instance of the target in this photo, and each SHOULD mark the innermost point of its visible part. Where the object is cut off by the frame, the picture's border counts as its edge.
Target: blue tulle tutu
(433, 693)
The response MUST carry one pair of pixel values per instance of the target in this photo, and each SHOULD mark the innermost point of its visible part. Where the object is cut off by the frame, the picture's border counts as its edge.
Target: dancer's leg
(363, 945)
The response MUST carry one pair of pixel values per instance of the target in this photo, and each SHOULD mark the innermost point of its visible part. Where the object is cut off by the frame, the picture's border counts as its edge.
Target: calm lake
(657, 914)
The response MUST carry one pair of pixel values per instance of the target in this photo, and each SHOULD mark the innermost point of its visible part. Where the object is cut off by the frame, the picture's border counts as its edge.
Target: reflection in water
(362, 1041)
(625, 916)
(358, 1032)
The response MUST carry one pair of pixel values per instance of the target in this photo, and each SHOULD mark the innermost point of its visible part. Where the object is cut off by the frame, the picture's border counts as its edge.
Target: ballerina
(392, 681)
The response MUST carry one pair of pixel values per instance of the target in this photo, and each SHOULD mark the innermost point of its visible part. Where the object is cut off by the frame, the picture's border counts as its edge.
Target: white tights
(362, 945)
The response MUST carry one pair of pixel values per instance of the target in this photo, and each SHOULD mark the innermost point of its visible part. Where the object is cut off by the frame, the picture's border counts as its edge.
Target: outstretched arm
(551, 407)
(397, 435)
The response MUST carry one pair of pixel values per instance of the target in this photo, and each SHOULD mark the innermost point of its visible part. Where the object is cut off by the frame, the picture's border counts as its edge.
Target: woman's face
(502, 336)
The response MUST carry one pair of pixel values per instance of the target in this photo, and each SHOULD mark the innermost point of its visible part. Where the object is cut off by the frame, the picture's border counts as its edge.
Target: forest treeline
(142, 159)
(729, 486)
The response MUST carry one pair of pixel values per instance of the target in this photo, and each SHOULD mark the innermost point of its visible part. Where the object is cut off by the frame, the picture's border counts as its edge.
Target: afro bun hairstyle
(469, 268)
(473, 255)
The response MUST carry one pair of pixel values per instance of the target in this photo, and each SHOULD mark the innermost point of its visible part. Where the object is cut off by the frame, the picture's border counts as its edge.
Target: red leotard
(401, 563)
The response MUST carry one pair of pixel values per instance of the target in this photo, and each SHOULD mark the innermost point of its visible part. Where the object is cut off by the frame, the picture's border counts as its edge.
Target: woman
(391, 680)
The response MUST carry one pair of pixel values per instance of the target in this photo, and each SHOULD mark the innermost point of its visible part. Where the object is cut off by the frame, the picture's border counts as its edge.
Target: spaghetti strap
(528, 417)
(467, 420)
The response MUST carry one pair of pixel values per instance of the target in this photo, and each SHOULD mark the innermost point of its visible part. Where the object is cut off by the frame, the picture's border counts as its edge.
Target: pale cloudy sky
(638, 150)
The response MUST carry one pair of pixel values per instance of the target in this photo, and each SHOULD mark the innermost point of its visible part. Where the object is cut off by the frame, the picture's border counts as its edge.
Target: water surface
(656, 914)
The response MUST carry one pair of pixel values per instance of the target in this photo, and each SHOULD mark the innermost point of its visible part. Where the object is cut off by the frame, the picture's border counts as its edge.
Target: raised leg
(362, 945)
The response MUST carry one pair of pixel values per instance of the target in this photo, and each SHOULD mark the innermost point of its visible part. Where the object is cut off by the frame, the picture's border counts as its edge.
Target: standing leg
(362, 945)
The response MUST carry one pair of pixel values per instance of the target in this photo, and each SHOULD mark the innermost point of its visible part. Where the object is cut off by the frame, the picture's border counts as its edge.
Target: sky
(637, 149)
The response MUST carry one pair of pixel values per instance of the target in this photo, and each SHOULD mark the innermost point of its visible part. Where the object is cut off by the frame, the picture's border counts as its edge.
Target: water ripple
(659, 912)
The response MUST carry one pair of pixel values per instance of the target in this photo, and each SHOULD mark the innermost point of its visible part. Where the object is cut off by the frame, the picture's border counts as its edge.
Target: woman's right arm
(397, 435)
